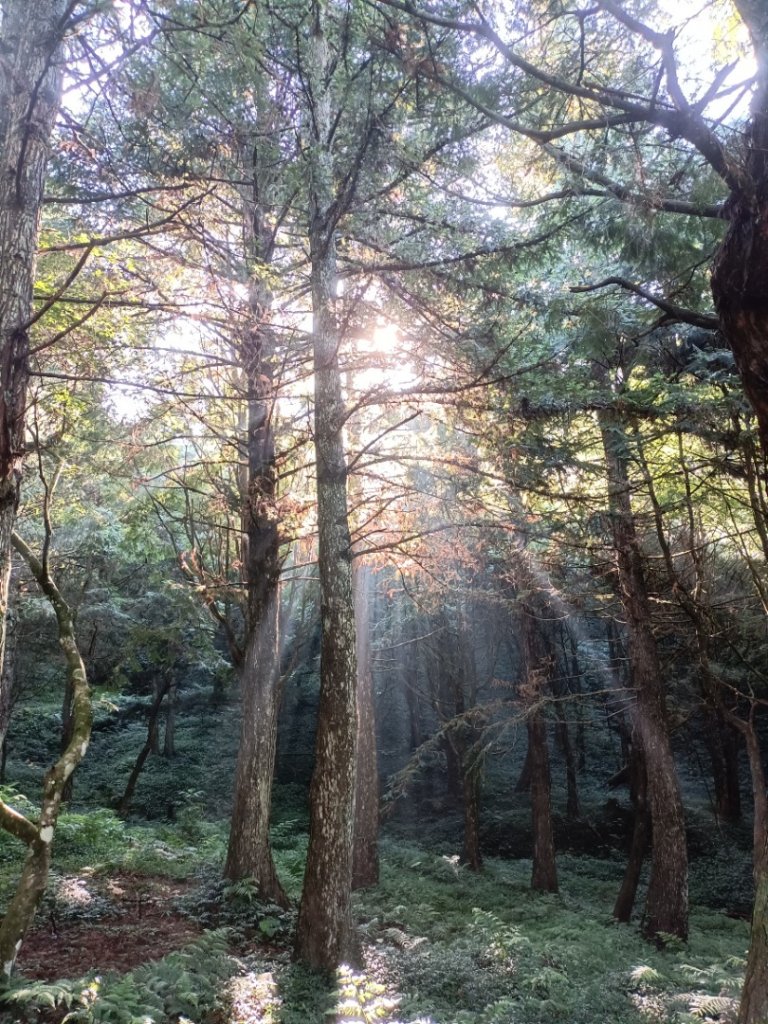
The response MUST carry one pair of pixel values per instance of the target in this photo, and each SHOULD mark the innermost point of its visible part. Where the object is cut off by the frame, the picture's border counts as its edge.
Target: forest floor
(150, 932)
(115, 923)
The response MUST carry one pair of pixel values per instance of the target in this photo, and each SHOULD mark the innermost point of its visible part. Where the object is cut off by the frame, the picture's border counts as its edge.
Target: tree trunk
(641, 833)
(169, 739)
(365, 863)
(724, 755)
(38, 838)
(30, 92)
(563, 740)
(666, 909)
(537, 668)
(8, 680)
(753, 1007)
(471, 853)
(249, 854)
(124, 803)
(544, 877)
(324, 936)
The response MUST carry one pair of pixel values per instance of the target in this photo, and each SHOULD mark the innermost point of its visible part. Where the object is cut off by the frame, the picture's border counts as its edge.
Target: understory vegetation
(437, 942)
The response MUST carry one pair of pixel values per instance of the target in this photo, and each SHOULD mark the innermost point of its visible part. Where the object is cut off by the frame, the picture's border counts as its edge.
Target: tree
(31, 74)
(38, 836)
(324, 931)
(575, 117)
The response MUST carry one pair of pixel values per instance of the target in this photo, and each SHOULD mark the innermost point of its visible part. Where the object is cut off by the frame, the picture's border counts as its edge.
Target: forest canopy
(383, 510)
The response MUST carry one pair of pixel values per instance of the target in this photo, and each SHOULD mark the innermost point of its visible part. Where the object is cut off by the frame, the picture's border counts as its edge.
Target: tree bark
(30, 93)
(169, 737)
(324, 935)
(666, 908)
(753, 1006)
(365, 863)
(537, 669)
(641, 833)
(8, 680)
(250, 853)
(38, 838)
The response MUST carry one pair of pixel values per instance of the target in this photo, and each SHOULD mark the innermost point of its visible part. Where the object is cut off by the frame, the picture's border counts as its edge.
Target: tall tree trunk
(365, 863)
(30, 93)
(38, 838)
(666, 908)
(537, 670)
(249, 852)
(641, 832)
(324, 936)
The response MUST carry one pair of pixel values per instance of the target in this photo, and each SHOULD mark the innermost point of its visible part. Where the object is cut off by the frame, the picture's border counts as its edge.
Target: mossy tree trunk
(38, 838)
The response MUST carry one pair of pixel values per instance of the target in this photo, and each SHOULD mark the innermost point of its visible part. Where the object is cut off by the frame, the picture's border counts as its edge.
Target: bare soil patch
(126, 920)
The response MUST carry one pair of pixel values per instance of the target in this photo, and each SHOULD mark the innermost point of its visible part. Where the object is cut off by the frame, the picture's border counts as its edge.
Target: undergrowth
(440, 945)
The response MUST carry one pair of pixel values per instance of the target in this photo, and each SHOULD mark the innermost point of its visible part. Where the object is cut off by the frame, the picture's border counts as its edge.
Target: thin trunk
(723, 749)
(30, 93)
(124, 803)
(38, 838)
(159, 689)
(67, 725)
(365, 863)
(563, 740)
(324, 935)
(10, 662)
(666, 909)
(169, 739)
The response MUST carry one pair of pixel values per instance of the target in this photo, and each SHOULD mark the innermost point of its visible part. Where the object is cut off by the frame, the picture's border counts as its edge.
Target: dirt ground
(125, 921)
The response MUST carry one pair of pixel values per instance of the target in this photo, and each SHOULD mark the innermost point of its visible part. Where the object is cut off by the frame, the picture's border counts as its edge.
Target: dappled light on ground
(114, 924)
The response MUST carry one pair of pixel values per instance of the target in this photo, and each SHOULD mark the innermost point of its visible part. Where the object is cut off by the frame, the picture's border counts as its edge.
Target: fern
(712, 1007)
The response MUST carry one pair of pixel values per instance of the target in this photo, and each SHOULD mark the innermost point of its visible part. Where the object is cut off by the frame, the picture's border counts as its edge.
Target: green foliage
(217, 903)
(186, 983)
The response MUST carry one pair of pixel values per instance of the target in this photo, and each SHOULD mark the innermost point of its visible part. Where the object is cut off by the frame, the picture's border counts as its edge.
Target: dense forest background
(383, 511)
